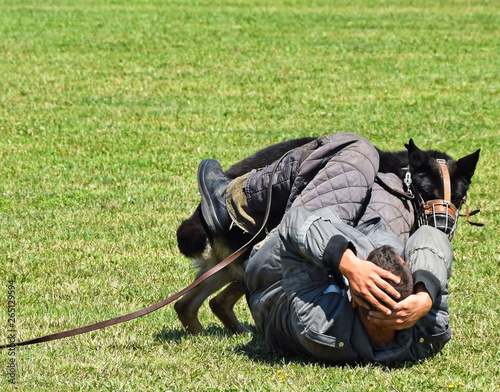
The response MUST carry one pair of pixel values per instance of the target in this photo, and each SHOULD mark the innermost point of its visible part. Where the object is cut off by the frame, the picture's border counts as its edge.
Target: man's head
(386, 258)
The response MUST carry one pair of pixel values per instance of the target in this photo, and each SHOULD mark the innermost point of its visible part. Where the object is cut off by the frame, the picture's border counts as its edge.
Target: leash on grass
(166, 301)
(137, 314)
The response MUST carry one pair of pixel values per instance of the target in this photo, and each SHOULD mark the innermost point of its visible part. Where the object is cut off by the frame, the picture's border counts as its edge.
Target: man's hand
(408, 311)
(367, 284)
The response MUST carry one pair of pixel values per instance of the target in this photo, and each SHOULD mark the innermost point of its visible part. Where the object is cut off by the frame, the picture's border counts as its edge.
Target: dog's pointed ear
(410, 144)
(416, 157)
(467, 164)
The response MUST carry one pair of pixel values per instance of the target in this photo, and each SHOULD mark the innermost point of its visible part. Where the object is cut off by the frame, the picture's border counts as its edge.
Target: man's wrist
(348, 257)
(421, 291)
(334, 252)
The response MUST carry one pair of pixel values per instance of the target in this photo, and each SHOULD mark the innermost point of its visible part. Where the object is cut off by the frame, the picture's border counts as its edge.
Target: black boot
(212, 184)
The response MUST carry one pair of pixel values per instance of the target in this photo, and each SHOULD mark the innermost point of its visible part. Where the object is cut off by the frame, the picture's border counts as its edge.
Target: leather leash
(137, 314)
(166, 301)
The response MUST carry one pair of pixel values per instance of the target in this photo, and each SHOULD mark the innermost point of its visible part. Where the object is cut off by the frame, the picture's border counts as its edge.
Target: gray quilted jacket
(299, 303)
(338, 170)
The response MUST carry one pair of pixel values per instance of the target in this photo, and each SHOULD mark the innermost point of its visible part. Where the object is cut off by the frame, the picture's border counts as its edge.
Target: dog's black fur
(426, 173)
(195, 241)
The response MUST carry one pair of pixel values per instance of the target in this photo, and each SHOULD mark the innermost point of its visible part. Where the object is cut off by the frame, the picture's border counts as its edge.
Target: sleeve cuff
(333, 253)
(431, 283)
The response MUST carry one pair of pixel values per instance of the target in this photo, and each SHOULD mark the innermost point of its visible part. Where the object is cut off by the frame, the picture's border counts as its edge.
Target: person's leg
(336, 170)
(214, 184)
(313, 175)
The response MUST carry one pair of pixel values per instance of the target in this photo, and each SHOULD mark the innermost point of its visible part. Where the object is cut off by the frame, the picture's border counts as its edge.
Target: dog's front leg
(222, 305)
(188, 306)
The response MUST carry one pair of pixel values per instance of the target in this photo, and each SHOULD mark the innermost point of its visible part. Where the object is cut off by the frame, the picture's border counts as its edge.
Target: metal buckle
(408, 181)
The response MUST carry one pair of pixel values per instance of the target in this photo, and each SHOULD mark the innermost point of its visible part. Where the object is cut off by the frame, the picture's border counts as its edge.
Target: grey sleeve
(429, 256)
(314, 237)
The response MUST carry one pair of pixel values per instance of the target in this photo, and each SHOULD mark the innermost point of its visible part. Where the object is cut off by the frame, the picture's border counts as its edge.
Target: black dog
(195, 241)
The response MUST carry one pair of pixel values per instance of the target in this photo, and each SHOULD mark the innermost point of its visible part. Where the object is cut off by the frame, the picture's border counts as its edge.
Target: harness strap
(471, 213)
(432, 206)
(404, 195)
(166, 301)
(445, 174)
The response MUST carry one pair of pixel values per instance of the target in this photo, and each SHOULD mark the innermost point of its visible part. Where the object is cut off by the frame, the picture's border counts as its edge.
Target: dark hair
(386, 257)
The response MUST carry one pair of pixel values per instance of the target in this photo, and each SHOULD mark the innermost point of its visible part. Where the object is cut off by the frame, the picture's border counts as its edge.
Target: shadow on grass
(168, 335)
(257, 349)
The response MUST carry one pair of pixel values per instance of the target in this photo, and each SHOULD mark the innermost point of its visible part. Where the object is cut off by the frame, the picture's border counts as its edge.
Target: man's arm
(429, 256)
(367, 284)
(315, 237)
(428, 253)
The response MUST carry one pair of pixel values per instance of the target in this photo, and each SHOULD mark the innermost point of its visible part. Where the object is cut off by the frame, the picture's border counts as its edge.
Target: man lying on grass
(310, 289)
(301, 303)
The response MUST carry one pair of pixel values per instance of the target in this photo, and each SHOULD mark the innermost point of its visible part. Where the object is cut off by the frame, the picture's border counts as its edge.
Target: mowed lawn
(106, 109)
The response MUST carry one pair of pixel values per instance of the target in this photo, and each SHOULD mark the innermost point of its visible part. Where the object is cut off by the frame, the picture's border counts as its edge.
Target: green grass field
(106, 109)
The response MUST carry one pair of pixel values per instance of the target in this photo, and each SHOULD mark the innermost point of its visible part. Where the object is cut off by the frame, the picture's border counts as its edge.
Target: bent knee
(355, 145)
(428, 237)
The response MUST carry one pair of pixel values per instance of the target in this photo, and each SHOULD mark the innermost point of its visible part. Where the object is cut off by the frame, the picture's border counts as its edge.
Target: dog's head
(429, 179)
